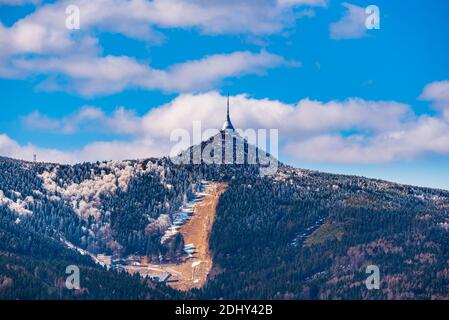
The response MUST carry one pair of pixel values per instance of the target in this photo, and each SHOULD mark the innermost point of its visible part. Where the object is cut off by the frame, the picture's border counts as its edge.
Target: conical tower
(227, 125)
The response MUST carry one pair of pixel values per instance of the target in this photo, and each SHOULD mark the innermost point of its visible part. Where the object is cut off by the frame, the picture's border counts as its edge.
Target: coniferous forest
(298, 234)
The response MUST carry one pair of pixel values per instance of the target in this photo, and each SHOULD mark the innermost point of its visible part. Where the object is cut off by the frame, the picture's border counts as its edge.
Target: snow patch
(163, 222)
(19, 206)
(444, 225)
(85, 197)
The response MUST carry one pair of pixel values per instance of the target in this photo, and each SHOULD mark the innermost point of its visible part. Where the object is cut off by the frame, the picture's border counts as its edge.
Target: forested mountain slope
(33, 266)
(296, 234)
(309, 235)
(117, 207)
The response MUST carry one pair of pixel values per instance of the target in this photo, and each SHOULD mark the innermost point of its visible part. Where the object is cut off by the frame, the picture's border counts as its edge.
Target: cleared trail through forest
(192, 272)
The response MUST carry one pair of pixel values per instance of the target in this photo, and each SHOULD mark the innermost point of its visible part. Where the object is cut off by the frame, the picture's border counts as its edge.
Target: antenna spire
(227, 108)
(228, 125)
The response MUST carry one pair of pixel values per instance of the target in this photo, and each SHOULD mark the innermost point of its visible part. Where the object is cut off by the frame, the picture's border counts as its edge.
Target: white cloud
(438, 93)
(10, 148)
(202, 74)
(44, 31)
(94, 75)
(351, 25)
(36, 120)
(122, 121)
(40, 43)
(227, 16)
(306, 118)
(101, 150)
(349, 131)
(425, 136)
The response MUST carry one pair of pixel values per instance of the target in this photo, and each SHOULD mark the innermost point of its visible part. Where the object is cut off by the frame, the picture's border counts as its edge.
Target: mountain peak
(228, 147)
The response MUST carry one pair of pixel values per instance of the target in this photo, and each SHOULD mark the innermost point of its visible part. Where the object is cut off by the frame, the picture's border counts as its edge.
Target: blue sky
(365, 102)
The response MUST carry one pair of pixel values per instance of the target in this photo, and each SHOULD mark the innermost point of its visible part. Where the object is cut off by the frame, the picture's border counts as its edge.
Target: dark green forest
(298, 234)
(395, 230)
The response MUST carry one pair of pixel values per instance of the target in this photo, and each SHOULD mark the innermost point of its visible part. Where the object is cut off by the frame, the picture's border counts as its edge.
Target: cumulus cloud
(44, 30)
(229, 16)
(72, 60)
(351, 25)
(100, 150)
(122, 121)
(438, 93)
(349, 131)
(99, 75)
(304, 118)
(426, 136)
